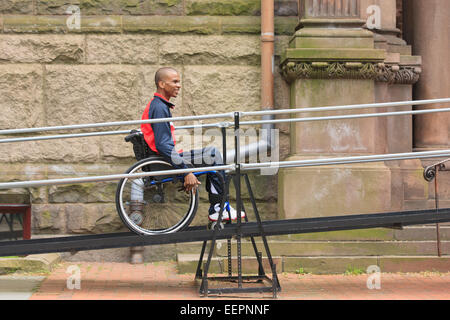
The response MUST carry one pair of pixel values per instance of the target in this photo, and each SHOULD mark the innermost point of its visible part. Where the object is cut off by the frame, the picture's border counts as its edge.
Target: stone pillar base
(334, 190)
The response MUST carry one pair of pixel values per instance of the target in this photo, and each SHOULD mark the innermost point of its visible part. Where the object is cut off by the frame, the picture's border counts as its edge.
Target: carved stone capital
(397, 74)
(329, 70)
(393, 74)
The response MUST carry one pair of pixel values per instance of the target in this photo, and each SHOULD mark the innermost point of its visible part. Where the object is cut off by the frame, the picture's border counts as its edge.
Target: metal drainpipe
(267, 81)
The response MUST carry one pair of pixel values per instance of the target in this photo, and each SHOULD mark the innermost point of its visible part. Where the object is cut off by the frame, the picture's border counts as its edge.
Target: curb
(31, 263)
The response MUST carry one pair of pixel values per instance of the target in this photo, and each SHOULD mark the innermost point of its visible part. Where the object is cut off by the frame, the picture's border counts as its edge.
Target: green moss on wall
(223, 7)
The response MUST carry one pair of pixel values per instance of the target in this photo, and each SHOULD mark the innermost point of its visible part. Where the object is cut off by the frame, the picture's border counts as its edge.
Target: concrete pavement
(18, 287)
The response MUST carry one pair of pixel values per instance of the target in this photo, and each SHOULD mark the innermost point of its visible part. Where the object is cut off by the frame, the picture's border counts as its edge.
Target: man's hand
(191, 182)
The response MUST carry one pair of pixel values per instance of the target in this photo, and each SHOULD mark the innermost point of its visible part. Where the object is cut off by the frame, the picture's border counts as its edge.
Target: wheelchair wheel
(154, 204)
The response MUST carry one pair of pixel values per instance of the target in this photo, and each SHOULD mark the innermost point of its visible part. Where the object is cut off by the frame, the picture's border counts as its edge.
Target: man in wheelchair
(160, 139)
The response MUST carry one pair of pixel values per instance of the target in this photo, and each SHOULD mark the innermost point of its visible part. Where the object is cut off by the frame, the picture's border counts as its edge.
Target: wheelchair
(153, 205)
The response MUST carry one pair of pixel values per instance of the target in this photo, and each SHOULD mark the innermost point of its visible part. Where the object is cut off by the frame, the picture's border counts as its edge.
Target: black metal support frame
(274, 285)
(202, 274)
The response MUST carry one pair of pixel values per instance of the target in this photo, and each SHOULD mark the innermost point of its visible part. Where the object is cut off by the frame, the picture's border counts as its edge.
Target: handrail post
(237, 160)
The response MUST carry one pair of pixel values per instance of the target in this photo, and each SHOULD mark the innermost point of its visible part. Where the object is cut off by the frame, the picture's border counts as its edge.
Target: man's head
(167, 82)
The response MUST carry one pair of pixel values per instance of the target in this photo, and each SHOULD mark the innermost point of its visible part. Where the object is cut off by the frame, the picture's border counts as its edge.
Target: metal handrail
(232, 167)
(222, 115)
(349, 116)
(222, 124)
(236, 166)
(114, 124)
(40, 183)
(347, 160)
(346, 107)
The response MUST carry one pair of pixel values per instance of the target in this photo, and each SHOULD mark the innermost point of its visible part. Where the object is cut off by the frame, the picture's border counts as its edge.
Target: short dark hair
(159, 75)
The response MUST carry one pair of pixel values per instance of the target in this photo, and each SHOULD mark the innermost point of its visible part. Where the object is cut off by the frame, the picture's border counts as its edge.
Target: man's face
(171, 84)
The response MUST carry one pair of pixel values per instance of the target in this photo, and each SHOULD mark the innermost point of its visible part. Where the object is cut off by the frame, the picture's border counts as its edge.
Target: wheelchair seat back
(142, 151)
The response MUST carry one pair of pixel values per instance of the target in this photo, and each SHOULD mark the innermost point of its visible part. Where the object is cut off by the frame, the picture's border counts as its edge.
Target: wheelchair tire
(161, 208)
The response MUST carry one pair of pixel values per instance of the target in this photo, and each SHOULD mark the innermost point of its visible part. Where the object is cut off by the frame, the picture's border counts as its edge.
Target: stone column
(427, 28)
(332, 60)
(401, 70)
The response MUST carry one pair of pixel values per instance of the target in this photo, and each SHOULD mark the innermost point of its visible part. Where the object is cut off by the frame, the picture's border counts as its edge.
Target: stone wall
(51, 75)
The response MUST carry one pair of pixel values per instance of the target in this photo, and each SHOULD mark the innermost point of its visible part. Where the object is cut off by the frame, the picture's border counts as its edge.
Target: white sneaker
(228, 210)
(214, 213)
(233, 212)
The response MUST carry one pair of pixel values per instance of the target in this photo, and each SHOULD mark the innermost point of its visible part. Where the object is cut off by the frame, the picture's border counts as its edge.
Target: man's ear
(161, 84)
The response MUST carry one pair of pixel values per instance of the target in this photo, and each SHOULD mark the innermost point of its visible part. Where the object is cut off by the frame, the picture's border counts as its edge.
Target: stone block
(16, 7)
(238, 7)
(166, 252)
(64, 150)
(22, 171)
(91, 94)
(106, 7)
(103, 24)
(214, 50)
(59, 24)
(264, 188)
(34, 24)
(252, 25)
(377, 234)
(223, 7)
(414, 264)
(121, 49)
(21, 91)
(92, 218)
(241, 25)
(156, 253)
(333, 191)
(327, 265)
(322, 42)
(104, 255)
(65, 170)
(414, 184)
(187, 263)
(154, 7)
(221, 89)
(32, 263)
(286, 8)
(335, 54)
(42, 48)
(335, 137)
(47, 218)
(422, 233)
(343, 248)
(281, 44)
(443, 186)
(16, 196)
(171, 24)
(94, 192)
(410, 205)
(115, 148)
(281, 101)
(285, 25)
